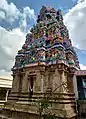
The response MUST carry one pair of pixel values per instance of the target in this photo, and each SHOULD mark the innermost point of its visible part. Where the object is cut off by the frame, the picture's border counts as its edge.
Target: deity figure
(52, 57)
(41, 33)
(41, 55)
(55, 41)
(51, 42)
(36, 35)
(60, 54)
(60, 40)
(56, 53)
(62, 32)
(60, 57)
(58, 32)
(49, 35)
(48, 55)
(54, 32)
(26, 58)
(38, 44)
(70, 59)
(22, 60)
(44, 33)
(63, 54)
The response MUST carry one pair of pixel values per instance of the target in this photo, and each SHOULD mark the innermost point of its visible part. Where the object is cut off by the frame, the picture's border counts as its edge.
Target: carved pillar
(63, 82)
(42, 82)
(45, 82)
(56, 81)
(49, 85)
(70, 83)
(71, 74)
(37, 82)
(34, 81)
(25, 82)
(75, 86)
(15, 85)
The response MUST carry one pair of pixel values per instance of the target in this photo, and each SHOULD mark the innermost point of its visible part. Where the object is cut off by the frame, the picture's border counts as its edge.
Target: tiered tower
(45, 66)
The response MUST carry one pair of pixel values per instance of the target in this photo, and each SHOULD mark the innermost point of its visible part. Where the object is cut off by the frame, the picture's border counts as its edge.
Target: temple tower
(45, 67)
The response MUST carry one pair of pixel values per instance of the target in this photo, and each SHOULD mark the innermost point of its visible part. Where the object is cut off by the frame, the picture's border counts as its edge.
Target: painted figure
(70, 59)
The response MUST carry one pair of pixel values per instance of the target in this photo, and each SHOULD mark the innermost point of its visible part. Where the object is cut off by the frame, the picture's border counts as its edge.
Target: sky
(18, 16)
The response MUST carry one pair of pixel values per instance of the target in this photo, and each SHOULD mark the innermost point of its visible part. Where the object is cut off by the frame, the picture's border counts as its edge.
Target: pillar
(62, 82)
(75, 86)
(70, 83)
(15, 84)
(37, 83)
(42, 82)
(55, 81)
(45, 81)
(25, 82)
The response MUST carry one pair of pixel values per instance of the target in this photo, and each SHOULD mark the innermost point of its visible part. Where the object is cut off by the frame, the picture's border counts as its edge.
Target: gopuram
(43, 71)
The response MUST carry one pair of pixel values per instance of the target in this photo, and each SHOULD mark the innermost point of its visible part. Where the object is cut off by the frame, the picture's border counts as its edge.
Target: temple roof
(48, 42)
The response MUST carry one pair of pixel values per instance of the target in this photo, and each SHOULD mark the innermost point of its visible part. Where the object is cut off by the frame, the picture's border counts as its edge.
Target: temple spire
(48, 42)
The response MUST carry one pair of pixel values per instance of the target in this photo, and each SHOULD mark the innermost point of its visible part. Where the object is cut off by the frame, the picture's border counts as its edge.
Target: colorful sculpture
(48, 41)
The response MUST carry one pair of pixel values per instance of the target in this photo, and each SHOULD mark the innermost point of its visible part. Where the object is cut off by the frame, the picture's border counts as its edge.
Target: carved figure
(70, 59)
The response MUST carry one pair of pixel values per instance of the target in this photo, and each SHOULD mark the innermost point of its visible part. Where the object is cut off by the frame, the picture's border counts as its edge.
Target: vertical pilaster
(75, 86)
(15, 85)
(37, 83)
(50, 77)
(63, 82)
(45, 82)
(25, 82)
(42, 82)
(70, 83)
(56, 81)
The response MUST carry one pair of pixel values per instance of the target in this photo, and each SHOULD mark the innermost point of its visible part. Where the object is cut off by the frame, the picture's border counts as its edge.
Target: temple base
(60, 105)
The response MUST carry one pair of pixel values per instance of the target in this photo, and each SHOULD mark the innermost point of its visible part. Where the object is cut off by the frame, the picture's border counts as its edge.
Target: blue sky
(18, 16)
(36, 5)
(64, 5)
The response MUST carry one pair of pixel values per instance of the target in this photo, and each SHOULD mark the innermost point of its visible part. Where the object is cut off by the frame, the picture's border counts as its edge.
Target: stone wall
(18, 115)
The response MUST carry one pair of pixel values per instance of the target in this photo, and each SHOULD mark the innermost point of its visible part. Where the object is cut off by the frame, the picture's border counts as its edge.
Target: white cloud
(80, 1)
(5, 74)
(10, 13)
(10, 43)
(2, 15)
(27, 13)
(75, 21)
(83, 67)
(10, 10)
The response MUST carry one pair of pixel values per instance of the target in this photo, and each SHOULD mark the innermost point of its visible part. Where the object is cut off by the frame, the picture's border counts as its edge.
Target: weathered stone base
(17, 115)
(28, 108)
(9, 114)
